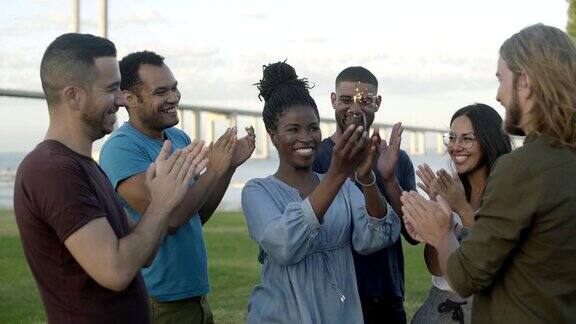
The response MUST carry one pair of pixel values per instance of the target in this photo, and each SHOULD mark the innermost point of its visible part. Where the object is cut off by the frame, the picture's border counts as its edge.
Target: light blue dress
(307, 267)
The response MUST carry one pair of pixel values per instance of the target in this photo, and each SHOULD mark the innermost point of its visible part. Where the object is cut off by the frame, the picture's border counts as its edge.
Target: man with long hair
(519, 258)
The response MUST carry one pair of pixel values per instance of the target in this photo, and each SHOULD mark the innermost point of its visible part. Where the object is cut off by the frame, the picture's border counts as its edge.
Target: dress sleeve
(285, 235)
(370, 234)
(498, 228)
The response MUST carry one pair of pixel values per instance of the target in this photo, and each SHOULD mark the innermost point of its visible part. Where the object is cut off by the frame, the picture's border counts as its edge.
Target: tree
(571, 25)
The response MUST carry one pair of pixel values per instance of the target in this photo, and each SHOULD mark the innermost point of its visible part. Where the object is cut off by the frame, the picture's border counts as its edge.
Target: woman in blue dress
(306, 224)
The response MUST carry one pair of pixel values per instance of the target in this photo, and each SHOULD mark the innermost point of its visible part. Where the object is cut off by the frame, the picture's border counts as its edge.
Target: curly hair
(281, 89)
(130, 64)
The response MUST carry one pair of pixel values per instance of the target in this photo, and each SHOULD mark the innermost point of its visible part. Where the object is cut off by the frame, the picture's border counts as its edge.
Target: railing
(207, 122)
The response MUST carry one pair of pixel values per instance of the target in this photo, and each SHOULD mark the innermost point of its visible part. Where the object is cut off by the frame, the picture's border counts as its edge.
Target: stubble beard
(93, 121)
(514, 117)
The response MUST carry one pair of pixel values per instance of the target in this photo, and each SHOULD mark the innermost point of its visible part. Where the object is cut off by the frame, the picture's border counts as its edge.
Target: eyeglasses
(466, 139)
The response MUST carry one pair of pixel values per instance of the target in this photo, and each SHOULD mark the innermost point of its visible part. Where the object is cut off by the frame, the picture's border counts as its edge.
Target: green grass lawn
(233, 272)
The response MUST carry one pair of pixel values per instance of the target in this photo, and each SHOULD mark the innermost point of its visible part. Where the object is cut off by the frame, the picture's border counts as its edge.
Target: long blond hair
(548, 56)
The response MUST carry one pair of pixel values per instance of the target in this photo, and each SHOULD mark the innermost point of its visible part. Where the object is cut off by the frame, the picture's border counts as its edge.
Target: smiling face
(297, 137)
(469, 159)
(154, 106)
(355, 103)
(103, 98)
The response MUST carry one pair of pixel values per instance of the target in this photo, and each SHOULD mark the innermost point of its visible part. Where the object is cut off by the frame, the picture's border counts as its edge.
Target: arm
(134, 191)
(431, 255)
(217, 193)
(429, 222)
(131, 226)
(467, 215)
(375, 224)
(375, 203)
(285, 235)
(203, 191)
(431, 259)
(137, 194)
(113, 262)
(386, 166)
(241, 152)
(394, 193)
(444, 248)
(347, 154)
(387, 163)
(371, 233)
(498, 227)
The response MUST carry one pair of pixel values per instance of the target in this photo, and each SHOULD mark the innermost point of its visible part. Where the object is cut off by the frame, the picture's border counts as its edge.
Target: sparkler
(359, 99)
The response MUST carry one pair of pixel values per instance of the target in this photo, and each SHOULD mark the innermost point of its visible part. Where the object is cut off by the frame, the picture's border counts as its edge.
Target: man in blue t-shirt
(380, 275)
(177, 280)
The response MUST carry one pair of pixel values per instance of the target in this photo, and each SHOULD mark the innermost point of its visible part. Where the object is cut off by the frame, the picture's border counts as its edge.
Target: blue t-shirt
(180, 268)
(379, 274)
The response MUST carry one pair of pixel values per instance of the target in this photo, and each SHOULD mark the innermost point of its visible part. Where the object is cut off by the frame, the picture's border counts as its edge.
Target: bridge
(208, 123)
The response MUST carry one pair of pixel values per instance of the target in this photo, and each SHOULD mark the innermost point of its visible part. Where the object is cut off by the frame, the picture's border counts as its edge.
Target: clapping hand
(426, 221)
(168, 177)
(364, 169)
(428, 179)
(244, 148)
(349, 150)
(199, 151)
(389, 153)
(220, 153)
(451, 189)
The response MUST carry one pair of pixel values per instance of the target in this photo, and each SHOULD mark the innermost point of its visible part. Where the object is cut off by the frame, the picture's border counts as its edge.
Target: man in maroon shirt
(83, 251)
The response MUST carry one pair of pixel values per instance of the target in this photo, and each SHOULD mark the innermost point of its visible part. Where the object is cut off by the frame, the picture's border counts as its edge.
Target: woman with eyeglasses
(475, 141)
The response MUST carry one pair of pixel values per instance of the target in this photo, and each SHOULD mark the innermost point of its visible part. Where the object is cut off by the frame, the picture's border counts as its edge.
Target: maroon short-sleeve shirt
(57, 191)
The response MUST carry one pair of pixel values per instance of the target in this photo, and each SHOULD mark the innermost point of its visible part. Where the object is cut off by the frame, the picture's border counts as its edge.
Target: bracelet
(363, 184)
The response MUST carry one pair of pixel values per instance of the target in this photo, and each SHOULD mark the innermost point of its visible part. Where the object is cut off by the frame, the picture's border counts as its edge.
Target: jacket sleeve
(509, 203)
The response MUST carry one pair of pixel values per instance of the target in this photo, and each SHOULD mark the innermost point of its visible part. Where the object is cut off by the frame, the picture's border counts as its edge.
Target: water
(253, 168)
(8, 165)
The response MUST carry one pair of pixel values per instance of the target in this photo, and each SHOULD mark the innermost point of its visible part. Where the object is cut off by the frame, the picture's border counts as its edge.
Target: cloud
(26, 25)
(254, 15)
(187, 52)
(145, 15)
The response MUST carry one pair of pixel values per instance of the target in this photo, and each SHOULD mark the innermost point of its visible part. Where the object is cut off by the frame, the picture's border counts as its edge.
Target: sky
(430, 57)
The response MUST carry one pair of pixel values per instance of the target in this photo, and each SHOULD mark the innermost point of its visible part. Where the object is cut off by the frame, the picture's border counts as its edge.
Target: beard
(94, 122)
(514, 117)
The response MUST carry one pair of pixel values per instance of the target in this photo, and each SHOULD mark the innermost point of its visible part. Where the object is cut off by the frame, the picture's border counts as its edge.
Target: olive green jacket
(519, 260)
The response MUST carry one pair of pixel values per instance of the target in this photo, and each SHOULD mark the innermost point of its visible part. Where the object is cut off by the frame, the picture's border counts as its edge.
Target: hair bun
(275, 75)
